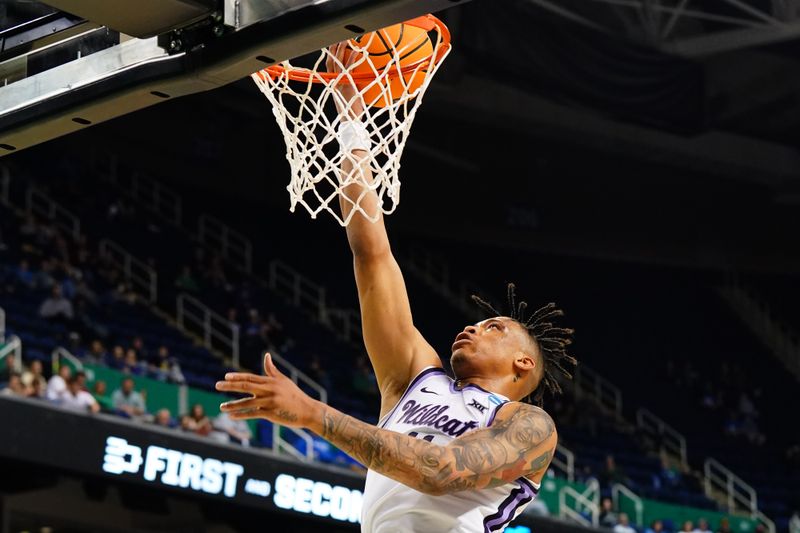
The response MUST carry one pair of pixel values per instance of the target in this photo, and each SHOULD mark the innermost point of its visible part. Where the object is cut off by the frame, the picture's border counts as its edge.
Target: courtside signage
(210, 475)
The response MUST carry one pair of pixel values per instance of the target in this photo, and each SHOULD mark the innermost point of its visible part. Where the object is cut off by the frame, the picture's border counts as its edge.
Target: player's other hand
(350, 101)
(273, 396)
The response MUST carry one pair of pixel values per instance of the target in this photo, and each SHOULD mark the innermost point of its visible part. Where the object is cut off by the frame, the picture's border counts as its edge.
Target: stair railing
(229, 243)
(193, 316)
(672, 441)
(602, 391)
(618, 491)
(738, 494)
(564, 461)
(39, 204)
(139, 274)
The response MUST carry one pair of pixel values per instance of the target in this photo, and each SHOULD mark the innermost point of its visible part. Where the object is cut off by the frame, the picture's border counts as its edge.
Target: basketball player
(463, 455)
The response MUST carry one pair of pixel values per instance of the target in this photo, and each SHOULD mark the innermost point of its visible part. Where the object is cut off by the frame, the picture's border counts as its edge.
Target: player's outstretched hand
(272, 396)
(350, 101)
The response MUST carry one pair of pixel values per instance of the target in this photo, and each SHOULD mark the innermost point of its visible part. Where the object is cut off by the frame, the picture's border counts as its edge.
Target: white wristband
(353, 135)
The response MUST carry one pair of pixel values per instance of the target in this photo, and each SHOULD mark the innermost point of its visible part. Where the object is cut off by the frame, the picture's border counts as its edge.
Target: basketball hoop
(305, 100)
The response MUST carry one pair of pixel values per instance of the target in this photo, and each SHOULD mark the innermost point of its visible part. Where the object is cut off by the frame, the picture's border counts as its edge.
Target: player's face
(488, 347)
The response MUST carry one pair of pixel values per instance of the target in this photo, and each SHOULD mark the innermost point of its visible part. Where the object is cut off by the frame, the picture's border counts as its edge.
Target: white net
(373, 114)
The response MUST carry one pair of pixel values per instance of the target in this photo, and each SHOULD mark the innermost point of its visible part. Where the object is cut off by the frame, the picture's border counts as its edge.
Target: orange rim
(426, 22)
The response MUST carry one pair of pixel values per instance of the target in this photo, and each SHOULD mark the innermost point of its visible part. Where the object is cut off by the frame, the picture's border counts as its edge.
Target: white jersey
(432, 408)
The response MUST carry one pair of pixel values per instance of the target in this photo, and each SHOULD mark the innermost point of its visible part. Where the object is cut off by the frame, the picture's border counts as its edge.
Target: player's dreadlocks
(552, 340)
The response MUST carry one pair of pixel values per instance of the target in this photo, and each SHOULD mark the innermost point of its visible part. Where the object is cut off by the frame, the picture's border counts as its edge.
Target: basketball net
(305, 100)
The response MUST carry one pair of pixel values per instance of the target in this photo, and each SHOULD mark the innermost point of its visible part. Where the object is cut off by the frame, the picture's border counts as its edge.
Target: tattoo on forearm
(485, 458)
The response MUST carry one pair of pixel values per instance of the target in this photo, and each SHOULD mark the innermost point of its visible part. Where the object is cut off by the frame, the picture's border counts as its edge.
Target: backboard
(74, 63)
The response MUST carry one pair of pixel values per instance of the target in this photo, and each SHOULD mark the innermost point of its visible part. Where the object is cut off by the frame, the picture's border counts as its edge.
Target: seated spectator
(96, 354)
(137, 344)
(56, 306)
(702, 526)
(656, 527)
(132, 364)
(536, 508)
(794, 523)
(57, 385)
(612, 474)
(165, 368)
(185, 281)
(33, 379)
(623, 525)
(608, 518)
(668, 476)
(14, 386)
(164, 419)
(128, 401)
(117, 358)
(364, 379)
(9, 368)
(100, 393)
(688, 527)
(197, 421)
(77, 399)
(237, 430)
(23, 275)
(724, 526)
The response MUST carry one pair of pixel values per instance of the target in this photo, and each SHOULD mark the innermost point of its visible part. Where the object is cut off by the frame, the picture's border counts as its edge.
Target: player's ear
(524, 362)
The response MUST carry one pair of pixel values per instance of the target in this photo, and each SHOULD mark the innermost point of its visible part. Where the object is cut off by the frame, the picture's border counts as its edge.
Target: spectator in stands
(23, 277)
(623, 525)
(656, 527)
(77, 399)
(100, 393)
(44, 277)
(608, 518)
(196, 421)
(794, 523)
(318, 373)
(57, 385)
(668, 476)
(612, 474)
(237, 430)
(536, 508)
(724, 526)
(56, 306)
(702, 526)
(34, 379)
(142, 353)
(127, 401)
(9, 368)
(14, 386)
(132, 364)
(364, 379)
(165, 368)
(164, 419)
(186, 281)
(117, 359)
(688, 527)
(96, 354)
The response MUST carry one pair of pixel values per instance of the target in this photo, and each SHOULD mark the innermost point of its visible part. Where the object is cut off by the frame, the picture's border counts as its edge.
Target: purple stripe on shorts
(421, 376)
(505, 513)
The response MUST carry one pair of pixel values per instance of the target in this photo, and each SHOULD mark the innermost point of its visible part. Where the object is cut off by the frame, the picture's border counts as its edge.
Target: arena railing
(38, 203)
(279, 444)
(596, 387)
(230, 244)
(194, 317)
(298, 376)
(2, 325)
(60, 353)
(618, 490)
(142, 277)
(312, 297)
(672, 441)
(739, 496)
(564, 460)
(574, 505)
(13, 345)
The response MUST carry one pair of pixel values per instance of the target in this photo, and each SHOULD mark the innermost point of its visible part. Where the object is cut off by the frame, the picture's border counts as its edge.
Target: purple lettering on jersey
(433, 415)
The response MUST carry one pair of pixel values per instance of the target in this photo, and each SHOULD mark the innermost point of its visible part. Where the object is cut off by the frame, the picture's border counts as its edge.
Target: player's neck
(495, 385)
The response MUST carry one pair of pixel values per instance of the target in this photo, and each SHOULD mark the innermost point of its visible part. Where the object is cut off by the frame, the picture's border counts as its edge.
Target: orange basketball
(412, 44)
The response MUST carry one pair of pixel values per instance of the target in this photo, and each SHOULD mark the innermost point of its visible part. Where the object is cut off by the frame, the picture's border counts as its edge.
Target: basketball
(408, 42)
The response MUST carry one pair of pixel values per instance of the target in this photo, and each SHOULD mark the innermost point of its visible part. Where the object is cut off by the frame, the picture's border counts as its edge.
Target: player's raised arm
(397, 350)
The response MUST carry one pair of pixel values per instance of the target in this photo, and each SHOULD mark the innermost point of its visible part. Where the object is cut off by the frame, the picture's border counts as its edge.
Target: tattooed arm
(519, 443)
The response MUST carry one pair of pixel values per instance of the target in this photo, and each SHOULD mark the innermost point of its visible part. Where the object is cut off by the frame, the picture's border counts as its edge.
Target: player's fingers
(245, 387)
(269, 367)
(237, 405)
(245, 376)
(247, 414)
